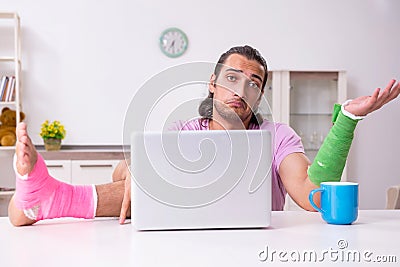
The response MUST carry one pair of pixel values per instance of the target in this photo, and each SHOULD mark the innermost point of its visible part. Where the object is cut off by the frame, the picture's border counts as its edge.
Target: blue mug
(339, 202)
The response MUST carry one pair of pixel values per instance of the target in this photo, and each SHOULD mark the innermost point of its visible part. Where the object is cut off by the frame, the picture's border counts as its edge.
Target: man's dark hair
(206, 106)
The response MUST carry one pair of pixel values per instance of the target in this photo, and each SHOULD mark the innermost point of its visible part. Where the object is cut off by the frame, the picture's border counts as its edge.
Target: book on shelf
(10, 89)
(3, 86)
(7, 89)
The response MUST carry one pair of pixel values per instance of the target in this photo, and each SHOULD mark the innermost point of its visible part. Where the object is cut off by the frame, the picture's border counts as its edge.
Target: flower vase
(52, 144)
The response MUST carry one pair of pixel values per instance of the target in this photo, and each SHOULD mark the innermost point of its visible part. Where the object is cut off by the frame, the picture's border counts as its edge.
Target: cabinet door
(60, 169)
(271, 96)
(4, 200)
(7, 174)
(307, 101)
(93, 171)
(312, 96)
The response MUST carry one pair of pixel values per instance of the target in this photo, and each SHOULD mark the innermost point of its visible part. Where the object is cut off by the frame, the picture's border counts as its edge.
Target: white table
(103, 242)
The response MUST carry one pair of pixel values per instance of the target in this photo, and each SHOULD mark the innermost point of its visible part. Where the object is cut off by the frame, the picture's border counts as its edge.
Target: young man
(235, 91)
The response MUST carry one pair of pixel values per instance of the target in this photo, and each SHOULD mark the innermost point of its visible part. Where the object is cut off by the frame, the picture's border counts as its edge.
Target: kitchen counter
(83, 153)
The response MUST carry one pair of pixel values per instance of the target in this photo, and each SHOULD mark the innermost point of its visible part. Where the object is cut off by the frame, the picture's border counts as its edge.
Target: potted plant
(52, 134)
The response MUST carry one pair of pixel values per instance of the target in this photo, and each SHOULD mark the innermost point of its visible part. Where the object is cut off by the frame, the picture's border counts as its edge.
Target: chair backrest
(393, 197)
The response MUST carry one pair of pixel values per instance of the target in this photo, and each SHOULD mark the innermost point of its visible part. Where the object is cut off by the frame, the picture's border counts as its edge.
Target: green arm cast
(331, 158)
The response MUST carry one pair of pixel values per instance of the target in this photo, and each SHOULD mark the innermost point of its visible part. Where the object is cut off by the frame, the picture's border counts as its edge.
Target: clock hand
(172, 44)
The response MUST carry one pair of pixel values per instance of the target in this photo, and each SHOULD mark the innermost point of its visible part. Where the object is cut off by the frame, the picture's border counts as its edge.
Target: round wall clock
(173, 42)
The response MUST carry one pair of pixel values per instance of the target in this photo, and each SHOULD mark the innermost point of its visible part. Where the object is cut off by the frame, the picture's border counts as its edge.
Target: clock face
(173, 42)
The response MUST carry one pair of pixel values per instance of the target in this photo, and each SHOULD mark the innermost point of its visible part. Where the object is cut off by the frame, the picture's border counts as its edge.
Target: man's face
(237, 89)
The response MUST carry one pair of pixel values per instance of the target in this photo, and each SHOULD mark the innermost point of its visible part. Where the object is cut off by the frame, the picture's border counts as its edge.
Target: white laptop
(201, 179)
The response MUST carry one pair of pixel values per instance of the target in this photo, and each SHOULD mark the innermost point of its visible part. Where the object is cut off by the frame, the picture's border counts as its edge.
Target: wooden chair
(393, 197)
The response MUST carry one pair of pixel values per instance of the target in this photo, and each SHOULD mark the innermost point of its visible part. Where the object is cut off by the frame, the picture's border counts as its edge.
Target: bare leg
(110, 198)
(122, 173)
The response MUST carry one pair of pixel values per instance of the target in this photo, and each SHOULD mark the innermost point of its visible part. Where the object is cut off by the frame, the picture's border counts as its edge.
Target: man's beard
(227, 113)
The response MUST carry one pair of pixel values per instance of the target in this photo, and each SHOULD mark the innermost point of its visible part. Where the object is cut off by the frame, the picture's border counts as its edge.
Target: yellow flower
(52, 130)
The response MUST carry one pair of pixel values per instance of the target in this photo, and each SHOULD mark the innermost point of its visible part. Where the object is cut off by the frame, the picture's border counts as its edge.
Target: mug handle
(310, 198)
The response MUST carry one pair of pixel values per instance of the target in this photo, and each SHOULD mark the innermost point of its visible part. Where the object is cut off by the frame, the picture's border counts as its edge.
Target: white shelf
(7, 59)
(7, 148)
(10, 65)
(14, 60)
(8, 103)
(9, 15)
(6, 193)
(10, 60)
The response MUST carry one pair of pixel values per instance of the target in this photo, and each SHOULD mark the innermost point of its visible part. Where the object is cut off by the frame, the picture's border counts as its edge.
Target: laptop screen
(190, 175)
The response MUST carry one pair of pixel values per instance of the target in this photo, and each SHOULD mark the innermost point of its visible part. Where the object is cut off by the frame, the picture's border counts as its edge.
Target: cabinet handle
(55, 166)
(96, 165)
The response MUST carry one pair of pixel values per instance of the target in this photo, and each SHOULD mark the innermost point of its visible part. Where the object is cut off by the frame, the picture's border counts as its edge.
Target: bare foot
(25, 150)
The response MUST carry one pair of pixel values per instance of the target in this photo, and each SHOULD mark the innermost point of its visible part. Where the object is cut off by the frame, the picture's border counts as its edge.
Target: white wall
(83, 61)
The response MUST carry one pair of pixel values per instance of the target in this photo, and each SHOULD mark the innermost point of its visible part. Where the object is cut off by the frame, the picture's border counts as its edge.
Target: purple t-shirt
(286, 142)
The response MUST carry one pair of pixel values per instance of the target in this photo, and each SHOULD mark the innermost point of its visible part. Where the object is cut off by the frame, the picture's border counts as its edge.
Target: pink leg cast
(41, 196)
